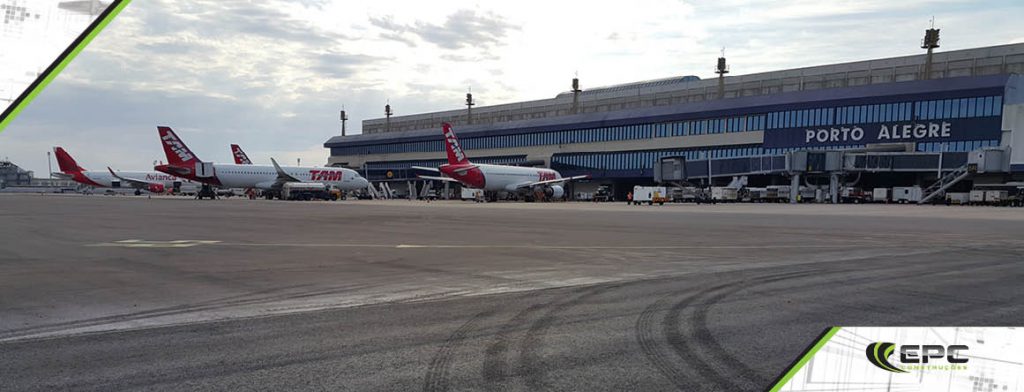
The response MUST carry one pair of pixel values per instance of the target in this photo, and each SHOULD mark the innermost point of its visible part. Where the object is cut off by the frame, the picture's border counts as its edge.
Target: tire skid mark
(254, 298)
(496, 368)
(438, 374)
(650, 344)
(531, 363)
(691, 355)
(704, 337)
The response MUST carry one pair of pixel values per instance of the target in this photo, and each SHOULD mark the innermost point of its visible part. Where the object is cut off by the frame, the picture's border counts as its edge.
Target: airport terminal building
(907, 116)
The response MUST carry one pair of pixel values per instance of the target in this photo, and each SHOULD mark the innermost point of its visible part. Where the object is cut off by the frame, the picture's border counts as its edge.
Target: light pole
(49, 166)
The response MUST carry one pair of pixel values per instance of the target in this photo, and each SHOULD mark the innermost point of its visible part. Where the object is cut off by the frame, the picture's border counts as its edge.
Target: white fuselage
(509, 178)
(105, 179)
(265, 176)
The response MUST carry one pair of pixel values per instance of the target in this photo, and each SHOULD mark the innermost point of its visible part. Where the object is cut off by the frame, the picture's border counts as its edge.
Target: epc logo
(917, 357)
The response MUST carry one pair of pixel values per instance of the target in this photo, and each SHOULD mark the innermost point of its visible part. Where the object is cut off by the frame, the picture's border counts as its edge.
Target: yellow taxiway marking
(156, 244)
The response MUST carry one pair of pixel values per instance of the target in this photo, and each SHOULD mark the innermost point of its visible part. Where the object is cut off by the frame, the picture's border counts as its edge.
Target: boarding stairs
(939, 187)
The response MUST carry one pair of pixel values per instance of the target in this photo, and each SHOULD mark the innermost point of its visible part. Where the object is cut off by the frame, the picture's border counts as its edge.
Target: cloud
(461, 29)
(272, 75)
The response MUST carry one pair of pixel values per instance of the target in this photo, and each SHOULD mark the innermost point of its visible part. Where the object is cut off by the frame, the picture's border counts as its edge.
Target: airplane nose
(363, 183)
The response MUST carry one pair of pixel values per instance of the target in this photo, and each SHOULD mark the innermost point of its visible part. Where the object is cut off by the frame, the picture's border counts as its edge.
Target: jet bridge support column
(446, 192)
(794, 188)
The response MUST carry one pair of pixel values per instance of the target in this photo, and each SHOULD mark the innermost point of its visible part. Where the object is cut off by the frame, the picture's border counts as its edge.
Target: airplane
(155, 182)
(240, 157)
(499, 178)
(182, 162)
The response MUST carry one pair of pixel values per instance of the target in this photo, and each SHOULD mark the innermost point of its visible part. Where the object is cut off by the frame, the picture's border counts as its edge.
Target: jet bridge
(950, 167)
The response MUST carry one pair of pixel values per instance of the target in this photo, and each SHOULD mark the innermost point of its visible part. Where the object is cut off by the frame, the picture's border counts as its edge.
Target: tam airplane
(152, 181)
(182, 162)
(240, 157)
(500, 178)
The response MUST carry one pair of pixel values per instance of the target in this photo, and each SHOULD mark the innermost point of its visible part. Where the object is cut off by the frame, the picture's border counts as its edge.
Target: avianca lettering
(176, 146)
(159, 177)
(325, 175)
(545, 175)
(455, 145)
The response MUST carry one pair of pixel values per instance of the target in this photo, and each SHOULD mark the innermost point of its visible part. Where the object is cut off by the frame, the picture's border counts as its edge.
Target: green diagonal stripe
(58, 65)
(793, 370)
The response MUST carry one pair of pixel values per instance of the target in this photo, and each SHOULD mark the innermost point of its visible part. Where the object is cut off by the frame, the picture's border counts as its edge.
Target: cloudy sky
(272, 75)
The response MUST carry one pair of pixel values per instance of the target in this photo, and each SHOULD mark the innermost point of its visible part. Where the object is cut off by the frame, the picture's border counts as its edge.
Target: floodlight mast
(930, 42)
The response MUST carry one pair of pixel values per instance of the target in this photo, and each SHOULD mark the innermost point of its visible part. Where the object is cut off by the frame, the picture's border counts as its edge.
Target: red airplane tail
(240, 157)
(455, 153)
(66, 163)
(178, 154)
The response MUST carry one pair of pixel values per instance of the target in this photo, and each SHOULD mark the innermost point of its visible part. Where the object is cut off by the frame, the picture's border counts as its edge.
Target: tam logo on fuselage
(546, 175)
(454, 142)
(325, 175)
(178, 148)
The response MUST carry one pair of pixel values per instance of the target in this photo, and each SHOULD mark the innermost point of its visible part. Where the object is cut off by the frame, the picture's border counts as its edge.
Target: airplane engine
(554, 192)
(156, 188)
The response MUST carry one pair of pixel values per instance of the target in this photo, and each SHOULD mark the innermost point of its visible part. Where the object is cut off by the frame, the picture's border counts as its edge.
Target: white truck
(472, 194)
(906, 194)
(880, 195)
(724, 193)
(958, 198)
(650, 195)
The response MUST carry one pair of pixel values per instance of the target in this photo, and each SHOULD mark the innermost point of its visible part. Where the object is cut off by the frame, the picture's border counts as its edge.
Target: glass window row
(959, 108)
(398, 165)
(638, 160)
(957, 146)
(901, 111)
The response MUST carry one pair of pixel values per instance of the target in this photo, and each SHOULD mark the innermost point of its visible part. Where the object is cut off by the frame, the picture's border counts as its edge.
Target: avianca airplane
(240, 157)
(183, 163)
(155, 182)
(501, 178)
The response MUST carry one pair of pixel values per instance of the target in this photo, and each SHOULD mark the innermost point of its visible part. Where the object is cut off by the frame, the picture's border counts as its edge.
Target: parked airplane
(240, 157)
(152, 181)
(500, 178)
(183, 162)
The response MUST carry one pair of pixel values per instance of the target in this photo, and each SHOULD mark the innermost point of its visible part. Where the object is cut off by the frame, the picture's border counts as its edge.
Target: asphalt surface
(124, 293)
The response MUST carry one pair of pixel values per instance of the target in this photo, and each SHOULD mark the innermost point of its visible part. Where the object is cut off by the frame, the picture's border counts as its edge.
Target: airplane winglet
(281, 173)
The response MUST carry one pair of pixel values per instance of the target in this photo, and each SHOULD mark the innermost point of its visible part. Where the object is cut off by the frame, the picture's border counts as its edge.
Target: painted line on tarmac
(156, 244)
(570, 247)
(135, 243)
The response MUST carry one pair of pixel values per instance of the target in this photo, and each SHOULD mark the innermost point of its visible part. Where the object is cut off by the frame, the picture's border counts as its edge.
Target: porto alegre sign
(894, 132)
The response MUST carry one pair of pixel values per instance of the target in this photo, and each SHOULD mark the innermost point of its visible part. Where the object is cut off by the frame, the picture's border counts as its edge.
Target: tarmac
(165, 293)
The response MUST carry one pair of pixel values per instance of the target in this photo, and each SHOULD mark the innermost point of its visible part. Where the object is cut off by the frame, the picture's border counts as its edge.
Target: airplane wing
(460, 170)
(135, 183)
(282, 177)
(429, 169)
(62, 176)
(555, 181)
(448, 179)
